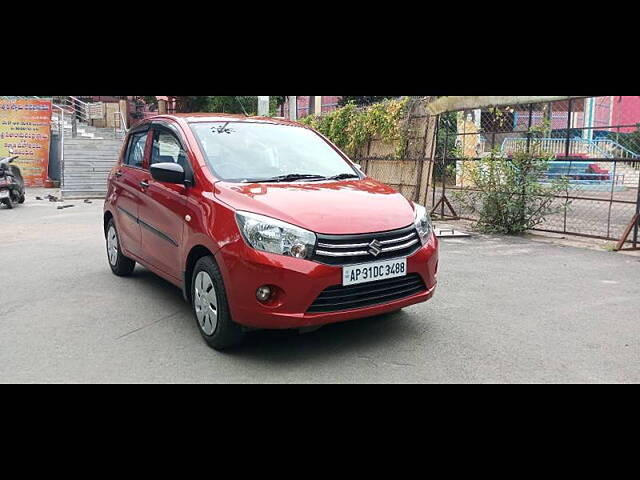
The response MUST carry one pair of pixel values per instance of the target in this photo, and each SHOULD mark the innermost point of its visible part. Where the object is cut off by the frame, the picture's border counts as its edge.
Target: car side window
(166, 148)
(135, 154)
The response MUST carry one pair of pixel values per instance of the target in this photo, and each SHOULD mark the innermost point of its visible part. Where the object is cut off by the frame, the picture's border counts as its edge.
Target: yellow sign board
(25, 128)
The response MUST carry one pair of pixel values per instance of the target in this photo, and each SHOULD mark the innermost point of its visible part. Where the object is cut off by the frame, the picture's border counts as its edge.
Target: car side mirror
(168, 172)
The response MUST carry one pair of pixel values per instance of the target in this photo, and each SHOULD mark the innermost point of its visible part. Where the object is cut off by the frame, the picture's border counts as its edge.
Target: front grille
(350, 249)
(338, 297)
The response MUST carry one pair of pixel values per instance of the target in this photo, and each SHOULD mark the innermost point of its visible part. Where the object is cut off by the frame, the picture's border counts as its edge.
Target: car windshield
(263, 152)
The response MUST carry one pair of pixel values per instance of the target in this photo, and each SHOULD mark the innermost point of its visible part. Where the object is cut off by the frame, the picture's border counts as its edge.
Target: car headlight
(271, 235)
(422, 222)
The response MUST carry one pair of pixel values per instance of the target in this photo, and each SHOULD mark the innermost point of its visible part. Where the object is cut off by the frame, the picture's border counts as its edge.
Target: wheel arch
(195, 254)
(106, 218)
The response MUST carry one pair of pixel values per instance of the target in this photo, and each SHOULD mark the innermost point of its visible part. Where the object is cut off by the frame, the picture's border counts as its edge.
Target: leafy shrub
(350, 127)
(510, 195)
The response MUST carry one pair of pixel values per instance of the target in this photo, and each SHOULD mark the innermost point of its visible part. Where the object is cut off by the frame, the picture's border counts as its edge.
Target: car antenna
(242, 106)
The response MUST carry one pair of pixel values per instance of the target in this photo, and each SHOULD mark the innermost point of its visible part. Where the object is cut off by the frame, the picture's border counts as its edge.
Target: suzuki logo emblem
(375, 248)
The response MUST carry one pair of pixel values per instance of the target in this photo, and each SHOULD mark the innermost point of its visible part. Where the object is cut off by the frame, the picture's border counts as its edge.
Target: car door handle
(144, 184)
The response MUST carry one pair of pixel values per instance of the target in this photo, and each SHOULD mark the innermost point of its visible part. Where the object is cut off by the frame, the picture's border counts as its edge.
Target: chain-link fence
(593, 144)
(409, 171)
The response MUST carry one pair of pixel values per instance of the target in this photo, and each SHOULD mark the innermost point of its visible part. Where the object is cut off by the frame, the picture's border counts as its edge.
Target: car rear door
(127, 180)
(162, 210)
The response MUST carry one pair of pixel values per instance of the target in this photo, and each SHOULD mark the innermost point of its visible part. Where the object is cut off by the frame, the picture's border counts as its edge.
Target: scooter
(11, 182)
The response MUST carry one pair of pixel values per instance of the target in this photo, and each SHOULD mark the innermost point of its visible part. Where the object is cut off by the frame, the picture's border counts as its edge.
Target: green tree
(219, 104)
(360, 101)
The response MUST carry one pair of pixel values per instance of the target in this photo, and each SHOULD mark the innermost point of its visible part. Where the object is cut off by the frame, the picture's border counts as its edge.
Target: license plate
(370, 272)
(4, 194)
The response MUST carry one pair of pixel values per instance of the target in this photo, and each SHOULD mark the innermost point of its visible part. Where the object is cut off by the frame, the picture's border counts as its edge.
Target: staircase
(87, 163)
(89, 156)
(598, 148)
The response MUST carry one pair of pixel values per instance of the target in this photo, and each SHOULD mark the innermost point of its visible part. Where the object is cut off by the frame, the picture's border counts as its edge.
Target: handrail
(61, 127)
(121, 121)
(596, 146)
(604, 146)
(78, 100)
(555, 145)
(613, 145)
(77, 107)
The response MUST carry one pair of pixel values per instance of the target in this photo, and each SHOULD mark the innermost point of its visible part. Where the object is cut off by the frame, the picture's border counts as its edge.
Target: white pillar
(589, 104)
(263, 106)
(293, 108)
(317, 105)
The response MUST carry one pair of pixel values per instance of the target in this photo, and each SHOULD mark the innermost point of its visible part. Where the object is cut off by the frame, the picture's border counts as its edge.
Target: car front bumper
(298, 283)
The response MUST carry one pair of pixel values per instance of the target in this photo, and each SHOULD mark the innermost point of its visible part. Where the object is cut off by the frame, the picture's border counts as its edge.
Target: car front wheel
(210, 307)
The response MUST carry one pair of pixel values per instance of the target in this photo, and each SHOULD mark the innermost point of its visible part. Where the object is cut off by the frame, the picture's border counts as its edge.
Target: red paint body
(331, 207)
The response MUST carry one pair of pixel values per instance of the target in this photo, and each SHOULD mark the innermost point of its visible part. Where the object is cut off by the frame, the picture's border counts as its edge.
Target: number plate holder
(372, 271)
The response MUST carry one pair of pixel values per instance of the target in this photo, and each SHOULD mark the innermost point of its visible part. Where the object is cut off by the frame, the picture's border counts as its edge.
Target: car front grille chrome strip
(366, 244)
(353, 253)
(396, 240)
(400, 247)
(344, 245)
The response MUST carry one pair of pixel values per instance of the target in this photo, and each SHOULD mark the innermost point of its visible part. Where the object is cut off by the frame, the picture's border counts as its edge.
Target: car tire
(22, 198)
(120, 265)
(211, 308)
(9, 202)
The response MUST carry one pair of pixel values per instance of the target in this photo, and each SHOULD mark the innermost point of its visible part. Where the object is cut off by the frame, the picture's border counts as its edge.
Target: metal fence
(593, 143)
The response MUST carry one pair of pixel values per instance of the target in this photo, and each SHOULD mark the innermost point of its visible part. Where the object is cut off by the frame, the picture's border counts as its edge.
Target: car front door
(162, 211)
(127, 185)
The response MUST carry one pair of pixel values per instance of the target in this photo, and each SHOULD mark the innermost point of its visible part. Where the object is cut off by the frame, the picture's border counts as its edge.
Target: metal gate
(594, 143)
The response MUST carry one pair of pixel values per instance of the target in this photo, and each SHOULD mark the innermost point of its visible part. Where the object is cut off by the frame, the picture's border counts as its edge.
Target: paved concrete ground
(584, 214)
(506, 310)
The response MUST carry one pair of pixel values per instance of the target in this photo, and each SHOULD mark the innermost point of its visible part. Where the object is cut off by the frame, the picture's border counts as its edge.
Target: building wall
(329, 103)
(626, 111)
(605, 111)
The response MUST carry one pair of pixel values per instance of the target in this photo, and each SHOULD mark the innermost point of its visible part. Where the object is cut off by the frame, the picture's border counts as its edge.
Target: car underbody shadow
(287, 345)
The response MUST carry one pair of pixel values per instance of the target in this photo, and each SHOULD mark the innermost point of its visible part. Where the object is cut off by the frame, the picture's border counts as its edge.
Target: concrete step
(71, 196)
(75, 169)
(88, 167)
(100, 153)
(100, 157)
(88, 146)
(71, 167)
(89, 162)
(86, 186)
(83, 157)
(103, 151)
(73, 139)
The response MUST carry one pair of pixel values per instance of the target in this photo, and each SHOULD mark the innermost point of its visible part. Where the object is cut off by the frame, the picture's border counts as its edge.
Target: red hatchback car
(263, 223)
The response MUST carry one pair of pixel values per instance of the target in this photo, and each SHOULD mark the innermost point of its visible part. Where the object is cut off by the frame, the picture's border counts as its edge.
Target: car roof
(223, 117)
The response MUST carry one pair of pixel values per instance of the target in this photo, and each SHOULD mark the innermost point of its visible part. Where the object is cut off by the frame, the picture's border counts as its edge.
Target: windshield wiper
(343, 176)
(290, 177)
